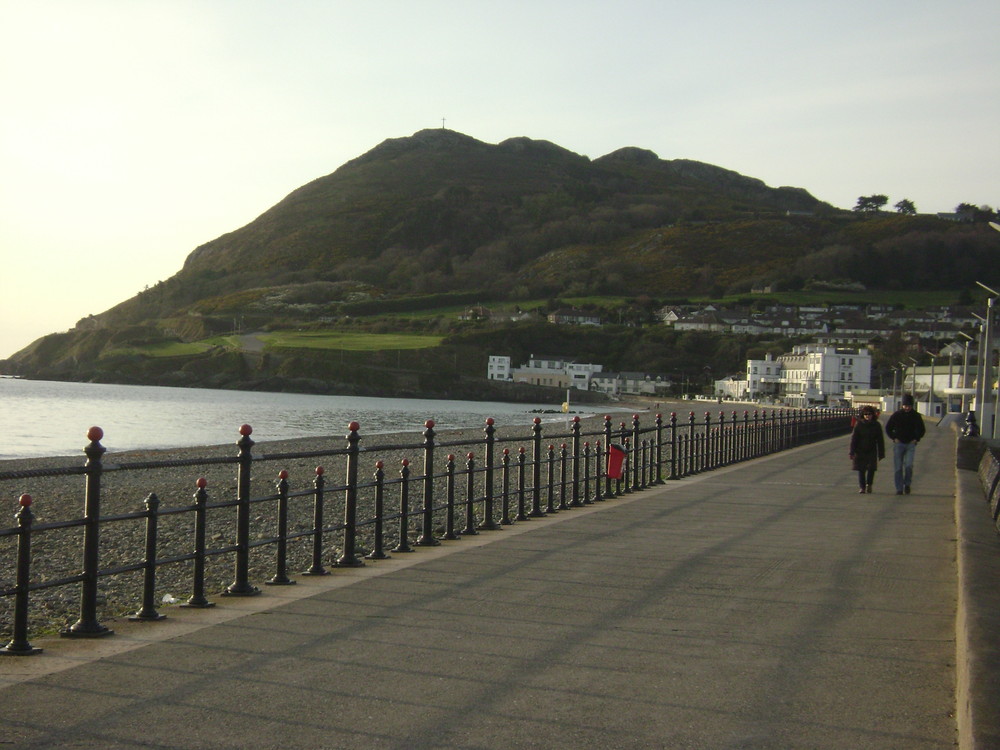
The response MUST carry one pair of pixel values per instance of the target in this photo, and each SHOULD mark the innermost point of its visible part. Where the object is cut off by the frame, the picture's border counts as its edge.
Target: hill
(441, 219)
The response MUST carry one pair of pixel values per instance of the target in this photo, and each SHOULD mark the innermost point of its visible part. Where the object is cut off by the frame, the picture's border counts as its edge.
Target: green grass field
(354, 342)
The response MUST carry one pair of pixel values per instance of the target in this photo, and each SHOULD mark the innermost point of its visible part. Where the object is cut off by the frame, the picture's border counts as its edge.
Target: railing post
(488, 523)
(706, 461)
(348, 557)
(575, 431)
(378, 548)
(674, 468)
(647, 463)
(733, 439)
(18, 644)
(563, 453)
(721, 459)
(281, 554)
(319, 484)
(426, 538)
(586, 474)
(470, 492)
(404, 508)
(197, 599)
(449, 519)
(505, 519)
(88, 626)
(659, 449)
(598, 469)
(521, 456)
(148, 609)
(692, 444)
(636, 455)
(536, 468)
(551, 488)
(623, 486)
(608, 486)
(241, 585)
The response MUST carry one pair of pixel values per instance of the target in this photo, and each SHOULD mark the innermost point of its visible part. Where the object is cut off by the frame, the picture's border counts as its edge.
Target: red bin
(616, 461)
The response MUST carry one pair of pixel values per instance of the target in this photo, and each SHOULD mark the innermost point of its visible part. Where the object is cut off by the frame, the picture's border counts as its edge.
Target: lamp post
(893, 404)
(913, 383)
(987, 412)
(965, 370)
(930, 391)
(902, 383)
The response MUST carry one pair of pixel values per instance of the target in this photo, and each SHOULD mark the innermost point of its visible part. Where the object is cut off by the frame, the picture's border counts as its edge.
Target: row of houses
(557, 372)
(836, 325)
(809, 375)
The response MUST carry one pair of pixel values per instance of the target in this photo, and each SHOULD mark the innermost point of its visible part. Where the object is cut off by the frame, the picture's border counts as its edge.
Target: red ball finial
(429, 423)
(354, 427)
(201, 483)
(405, 462)
(489, 421)
(246, 430)
(95, 433)
(283, 474)
(320, 471)
(537, 420)
(379, 464)
(24, 500)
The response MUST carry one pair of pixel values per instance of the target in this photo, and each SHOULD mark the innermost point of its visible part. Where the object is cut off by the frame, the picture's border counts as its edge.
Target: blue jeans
(902, 461)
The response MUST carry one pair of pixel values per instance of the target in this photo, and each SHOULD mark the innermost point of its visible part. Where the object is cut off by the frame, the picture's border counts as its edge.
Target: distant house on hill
(574, 317)
(476, 313)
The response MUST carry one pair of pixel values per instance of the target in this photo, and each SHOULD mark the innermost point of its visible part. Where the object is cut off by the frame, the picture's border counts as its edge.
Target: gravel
(128, 482)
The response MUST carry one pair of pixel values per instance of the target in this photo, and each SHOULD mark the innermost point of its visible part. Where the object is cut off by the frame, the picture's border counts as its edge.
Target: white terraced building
(810, 375)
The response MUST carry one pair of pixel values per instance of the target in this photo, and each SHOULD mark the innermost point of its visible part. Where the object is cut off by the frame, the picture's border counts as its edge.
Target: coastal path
(763, 605)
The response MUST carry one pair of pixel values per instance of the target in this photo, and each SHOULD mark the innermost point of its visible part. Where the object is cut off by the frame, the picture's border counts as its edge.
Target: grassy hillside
(402, 240)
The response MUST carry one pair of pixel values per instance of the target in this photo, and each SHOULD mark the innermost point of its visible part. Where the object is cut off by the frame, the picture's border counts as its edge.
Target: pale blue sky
(132, 131)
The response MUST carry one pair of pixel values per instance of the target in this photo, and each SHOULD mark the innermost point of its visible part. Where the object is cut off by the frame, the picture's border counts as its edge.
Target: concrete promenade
(767, 605)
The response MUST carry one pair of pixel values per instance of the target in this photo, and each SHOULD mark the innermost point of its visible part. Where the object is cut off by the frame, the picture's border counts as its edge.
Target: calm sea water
(42, 418)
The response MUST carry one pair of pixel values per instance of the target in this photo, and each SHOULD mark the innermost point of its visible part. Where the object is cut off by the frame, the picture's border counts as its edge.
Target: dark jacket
(905, 426)
(867, 445)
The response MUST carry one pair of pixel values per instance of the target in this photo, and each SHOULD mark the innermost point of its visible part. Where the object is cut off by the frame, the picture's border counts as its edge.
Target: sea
(44, 418)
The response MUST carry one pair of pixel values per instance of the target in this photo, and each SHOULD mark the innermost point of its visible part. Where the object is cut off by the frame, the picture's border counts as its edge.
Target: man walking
(905, 428)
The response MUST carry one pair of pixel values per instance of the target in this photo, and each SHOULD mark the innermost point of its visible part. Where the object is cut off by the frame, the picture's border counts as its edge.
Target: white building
(555, 372)
(498, 368)
(629, 383)
(731, 388)
(809, 375)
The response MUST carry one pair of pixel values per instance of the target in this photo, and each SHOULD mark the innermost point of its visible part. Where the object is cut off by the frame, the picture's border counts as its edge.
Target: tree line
(966, 211)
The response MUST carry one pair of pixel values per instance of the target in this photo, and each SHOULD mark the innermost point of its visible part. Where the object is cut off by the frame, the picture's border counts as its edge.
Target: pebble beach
(125, 494)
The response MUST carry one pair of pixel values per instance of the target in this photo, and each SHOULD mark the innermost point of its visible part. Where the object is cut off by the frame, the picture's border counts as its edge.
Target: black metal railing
(532, 478)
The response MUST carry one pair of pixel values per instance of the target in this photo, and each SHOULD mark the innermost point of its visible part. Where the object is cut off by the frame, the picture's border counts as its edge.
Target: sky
(133, 131)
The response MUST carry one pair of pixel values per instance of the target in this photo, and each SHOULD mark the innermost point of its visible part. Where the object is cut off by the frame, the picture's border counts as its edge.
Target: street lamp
(913, 383)
(930, 391)
(988, 408)
(965, 369)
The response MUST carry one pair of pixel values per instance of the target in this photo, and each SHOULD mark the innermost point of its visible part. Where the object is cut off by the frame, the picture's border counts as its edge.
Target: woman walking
(867, 448)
